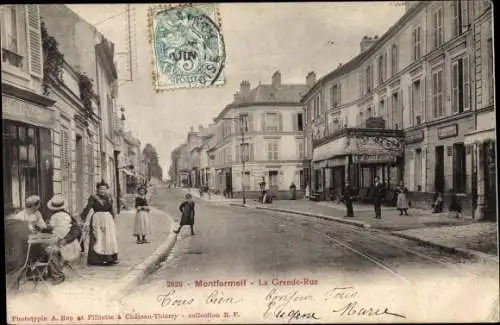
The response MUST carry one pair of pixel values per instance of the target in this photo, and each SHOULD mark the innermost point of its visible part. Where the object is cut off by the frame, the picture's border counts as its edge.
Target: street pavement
(92, 285)
(234, 243)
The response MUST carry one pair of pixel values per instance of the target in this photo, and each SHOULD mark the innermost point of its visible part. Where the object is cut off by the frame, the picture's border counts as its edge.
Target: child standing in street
(187, 209)
(142, 224)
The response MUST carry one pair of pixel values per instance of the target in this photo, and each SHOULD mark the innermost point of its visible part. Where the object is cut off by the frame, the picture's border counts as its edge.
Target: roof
(269, 94)
(360, 58)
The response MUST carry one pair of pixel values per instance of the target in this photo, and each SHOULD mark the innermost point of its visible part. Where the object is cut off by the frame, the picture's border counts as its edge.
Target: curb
(320, 216)
(468, 253)
(148, 266)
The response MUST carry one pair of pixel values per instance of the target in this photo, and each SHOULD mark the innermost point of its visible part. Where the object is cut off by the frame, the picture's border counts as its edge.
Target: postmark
(188, 47)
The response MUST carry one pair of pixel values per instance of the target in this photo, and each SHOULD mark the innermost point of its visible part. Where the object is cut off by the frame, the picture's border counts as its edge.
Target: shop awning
(480, 136)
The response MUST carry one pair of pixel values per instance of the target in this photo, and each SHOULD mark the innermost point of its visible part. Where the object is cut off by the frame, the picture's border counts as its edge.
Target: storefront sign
(18, 110)
(364, 159)
(414, 136)
(448, 131)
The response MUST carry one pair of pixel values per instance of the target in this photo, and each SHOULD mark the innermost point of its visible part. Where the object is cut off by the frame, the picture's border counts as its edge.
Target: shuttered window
(437, 93)
(272, 150)
(66, 165)
(34, 40)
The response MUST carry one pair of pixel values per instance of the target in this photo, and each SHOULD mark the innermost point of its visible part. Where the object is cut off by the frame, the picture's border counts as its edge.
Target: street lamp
(243, 126)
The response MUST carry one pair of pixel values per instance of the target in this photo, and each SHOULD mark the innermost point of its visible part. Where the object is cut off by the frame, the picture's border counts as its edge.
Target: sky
(260, 38)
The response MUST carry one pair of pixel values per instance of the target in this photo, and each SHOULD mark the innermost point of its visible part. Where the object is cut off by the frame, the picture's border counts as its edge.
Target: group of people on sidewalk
(96, 226)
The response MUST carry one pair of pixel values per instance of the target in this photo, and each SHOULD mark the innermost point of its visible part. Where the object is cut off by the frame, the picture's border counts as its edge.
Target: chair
(34, 269)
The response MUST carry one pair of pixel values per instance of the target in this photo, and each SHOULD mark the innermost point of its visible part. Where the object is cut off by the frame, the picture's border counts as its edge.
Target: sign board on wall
(448, 131)
(414, 136)
(22, 111)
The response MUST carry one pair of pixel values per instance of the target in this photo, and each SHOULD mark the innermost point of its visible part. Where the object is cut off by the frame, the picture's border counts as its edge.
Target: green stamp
(188, 48)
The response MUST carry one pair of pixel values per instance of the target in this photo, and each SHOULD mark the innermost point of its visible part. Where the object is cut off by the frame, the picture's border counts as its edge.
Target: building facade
(271, 144)
(483, 137)
(28, 116)
(400, 110)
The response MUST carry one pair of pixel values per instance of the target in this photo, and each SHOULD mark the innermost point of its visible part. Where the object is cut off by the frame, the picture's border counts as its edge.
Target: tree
(154, 161)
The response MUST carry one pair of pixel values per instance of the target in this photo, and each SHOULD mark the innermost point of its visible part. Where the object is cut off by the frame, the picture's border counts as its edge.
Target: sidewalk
(441, 230)
(96, 285)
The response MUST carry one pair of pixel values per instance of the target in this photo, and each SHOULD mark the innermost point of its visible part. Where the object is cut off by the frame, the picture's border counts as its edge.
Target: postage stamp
(188, 47)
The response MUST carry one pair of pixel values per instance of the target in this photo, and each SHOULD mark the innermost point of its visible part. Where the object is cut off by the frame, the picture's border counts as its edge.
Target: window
(396, 112)
(300, 148)
(417, 42)
(273, 150)
(381, 109)
(460, 85)
(109, 101)
(316, 106)
(437, 33)
(381, 69)
(334, 96)
(273, 180)
(11, 32)
(245, 152)
(456, 8)
(272, 122)
(300, 122)
(394, 59)
(416, 102)
(20, 164)
(490, 69)
(244, 122)
(369, 77)
(437, 93)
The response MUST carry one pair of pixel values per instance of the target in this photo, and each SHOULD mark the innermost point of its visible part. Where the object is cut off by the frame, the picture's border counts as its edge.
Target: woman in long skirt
(402, 203)
(142, 224)
(99, 219)
(187, 218)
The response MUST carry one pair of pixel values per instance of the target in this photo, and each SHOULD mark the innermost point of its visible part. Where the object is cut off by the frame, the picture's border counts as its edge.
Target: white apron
(104, 230)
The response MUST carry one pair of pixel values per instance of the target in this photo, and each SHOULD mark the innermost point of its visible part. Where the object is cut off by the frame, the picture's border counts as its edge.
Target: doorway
(439, 170)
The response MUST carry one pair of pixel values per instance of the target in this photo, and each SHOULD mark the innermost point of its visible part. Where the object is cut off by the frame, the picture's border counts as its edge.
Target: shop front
(27, 148)
(356, 156)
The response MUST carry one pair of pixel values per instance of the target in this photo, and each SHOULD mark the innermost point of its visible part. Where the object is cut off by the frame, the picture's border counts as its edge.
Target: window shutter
(411, 108)
(466, 83)
(34, 40)
(238, 154)
(465, 15)
(250, 122)
(423, 95)
(401, 109)
(251, 154)
(264, 122)
(280, 122)
(339, 92)
(295, 119)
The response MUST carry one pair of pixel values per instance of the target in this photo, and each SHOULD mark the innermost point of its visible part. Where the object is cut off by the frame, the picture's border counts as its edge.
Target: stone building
(483, 136)
(28, 116)
(91, 58)
(401, 109)
(271, 145)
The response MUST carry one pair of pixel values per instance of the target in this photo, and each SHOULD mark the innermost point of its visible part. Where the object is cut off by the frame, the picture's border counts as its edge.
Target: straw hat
(56, 203)
(32, 201)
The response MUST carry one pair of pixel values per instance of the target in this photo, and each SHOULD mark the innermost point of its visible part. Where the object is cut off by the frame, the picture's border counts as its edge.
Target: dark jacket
(99, 204)
(378, 192)
(188, 212)
(348, 193)
(141, 203)
(16, 244)
(75, 232)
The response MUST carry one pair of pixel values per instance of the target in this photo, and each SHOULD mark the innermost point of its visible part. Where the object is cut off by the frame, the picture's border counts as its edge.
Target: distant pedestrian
(455, 206)
(308, 192)
(402, 201)
(348, 197)
(293, 190)
(142, 224)
(377, 195)
(437, 206)
(187, 209)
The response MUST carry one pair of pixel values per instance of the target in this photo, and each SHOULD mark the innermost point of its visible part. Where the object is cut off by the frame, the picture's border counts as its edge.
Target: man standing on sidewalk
(378, 192)
(348, 194)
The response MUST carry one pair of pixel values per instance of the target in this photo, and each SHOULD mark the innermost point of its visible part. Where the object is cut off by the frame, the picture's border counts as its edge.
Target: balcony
(12, 58)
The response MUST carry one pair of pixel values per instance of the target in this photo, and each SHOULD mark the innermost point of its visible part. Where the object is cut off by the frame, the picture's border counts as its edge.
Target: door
(339, 181)
(418, 170)
(79, 173)
(439, 170)
(273, 180)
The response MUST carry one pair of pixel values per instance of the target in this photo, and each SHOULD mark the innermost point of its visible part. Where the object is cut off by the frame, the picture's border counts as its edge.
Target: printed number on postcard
(188, 48)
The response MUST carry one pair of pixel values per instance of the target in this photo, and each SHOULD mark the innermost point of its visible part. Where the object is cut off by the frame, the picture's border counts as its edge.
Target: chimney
(276, 80)
(244, 88)
(237, 97)
(367, 42)
(311, 79)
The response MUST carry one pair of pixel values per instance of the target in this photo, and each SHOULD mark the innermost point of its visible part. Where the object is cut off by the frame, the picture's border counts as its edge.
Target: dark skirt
(187, 220)
(94, 258)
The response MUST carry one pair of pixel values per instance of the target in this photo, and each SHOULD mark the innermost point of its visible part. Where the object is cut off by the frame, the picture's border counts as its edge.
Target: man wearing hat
(67, 232)
(32, 215)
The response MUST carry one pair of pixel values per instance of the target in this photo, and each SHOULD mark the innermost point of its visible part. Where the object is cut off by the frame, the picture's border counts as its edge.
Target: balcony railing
(12, 58)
